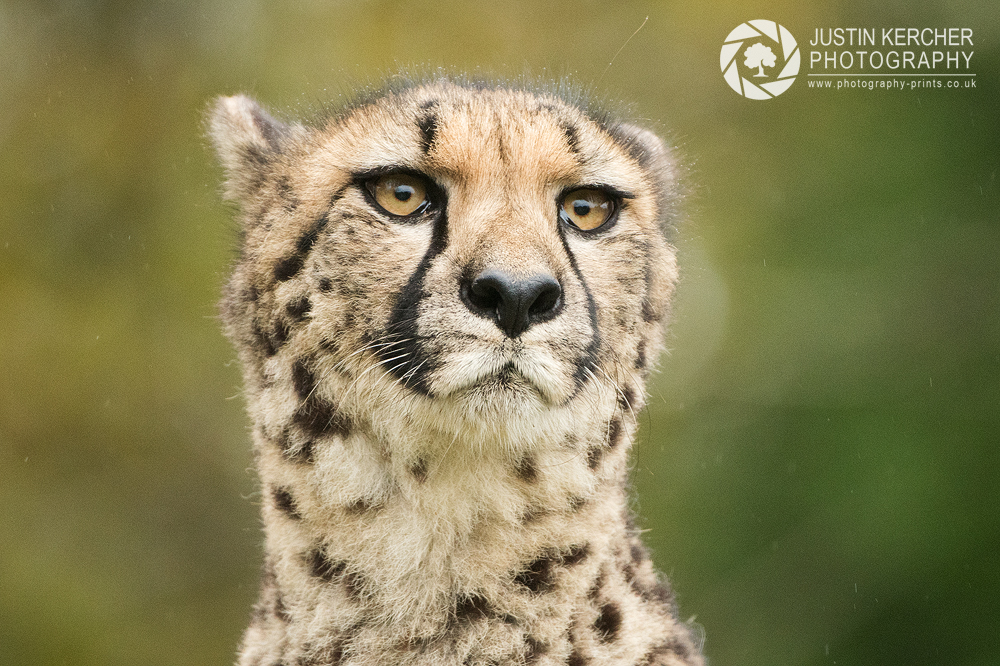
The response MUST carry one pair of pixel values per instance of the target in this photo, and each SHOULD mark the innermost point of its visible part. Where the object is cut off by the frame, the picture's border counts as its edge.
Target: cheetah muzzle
(447, 302)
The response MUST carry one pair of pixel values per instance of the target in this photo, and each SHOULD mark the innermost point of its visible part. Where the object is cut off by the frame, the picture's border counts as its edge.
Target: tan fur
(437, 491)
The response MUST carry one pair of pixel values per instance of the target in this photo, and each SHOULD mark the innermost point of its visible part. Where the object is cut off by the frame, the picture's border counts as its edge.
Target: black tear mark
(289, 267)
(299, 308)
(526, 469)
(608, 622)
(428, 125)
(539, 575)
(472, 607)
(419, 470)
(286, 503)
(589, 356)
(404, 356)
(322, 567)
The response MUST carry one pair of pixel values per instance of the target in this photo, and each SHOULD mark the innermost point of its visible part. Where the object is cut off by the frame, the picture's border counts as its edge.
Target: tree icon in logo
(769, 45)
(759, 56)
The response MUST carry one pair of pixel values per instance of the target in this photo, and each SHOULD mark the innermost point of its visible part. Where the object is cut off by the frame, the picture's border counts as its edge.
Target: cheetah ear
(247, 140)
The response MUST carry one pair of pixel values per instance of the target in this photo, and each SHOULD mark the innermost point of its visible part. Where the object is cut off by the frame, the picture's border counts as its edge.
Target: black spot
(290, 266)
(355, 583)
(594, 457)
(303, 454)
(533, 649)
(662, 594)
(299, 308)
(325, 285)
(287, 194)
(428, 125)
(279, 335)
(539, 575)
(614, 433)
(263, 340)
(303, 379)
(640, 356)
(286, 503)
(250, 294)
(608, 622)
(280, 611)
(419, 470)
(526, 469)
(626, 399)
(531, 514)
(576, 503)
(576, 659)
(472, 607)
(672, 647)
(361, 505)
(649, 313)
(572, 136)
(637, 553)
(595, 590)
(317, 417)
(320, 566)
(576, 555)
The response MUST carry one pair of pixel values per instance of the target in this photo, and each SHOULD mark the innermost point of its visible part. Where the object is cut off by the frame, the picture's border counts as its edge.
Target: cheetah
(448, 298)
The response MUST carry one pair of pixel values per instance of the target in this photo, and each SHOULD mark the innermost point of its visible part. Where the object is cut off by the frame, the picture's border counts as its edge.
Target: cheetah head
(447, 253)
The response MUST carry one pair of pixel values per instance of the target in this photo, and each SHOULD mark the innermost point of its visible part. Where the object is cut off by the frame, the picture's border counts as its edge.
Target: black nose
(515, 304)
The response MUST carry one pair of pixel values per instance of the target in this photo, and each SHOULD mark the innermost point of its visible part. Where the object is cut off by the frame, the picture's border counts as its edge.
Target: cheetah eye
(586, 209)
(400, 194)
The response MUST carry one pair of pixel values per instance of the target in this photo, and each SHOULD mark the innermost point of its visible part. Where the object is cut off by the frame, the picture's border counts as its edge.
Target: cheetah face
(490, 249)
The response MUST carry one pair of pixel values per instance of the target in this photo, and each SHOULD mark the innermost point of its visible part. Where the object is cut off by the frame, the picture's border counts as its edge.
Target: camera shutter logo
(757, 46)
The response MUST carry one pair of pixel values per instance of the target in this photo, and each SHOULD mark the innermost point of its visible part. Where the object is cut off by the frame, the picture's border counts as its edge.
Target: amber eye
(400, 193)
(586, 209)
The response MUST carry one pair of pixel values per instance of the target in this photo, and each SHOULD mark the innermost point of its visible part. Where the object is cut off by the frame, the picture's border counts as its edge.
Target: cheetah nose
(515, 303)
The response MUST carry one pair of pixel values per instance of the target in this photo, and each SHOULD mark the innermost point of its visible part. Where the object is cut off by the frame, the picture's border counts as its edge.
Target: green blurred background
(818, 467)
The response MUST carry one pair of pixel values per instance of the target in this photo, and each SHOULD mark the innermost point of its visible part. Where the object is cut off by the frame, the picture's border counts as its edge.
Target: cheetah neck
(370, 551)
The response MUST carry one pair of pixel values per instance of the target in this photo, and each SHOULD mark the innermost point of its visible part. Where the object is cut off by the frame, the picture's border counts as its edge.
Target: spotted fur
(443, 487)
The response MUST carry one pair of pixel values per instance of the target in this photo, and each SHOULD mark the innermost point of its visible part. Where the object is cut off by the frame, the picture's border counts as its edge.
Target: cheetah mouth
(522, 373)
